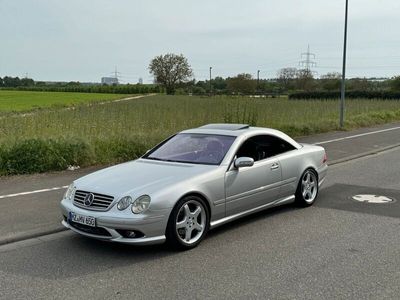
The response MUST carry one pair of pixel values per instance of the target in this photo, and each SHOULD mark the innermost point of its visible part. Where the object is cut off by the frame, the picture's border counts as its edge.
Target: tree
(219, 83)
(358, 84)
(242, 84)
(286, 77)
(331, 81)
(11, 81)
(395, 84)
(304, 80)
(170, 70)
(27, 82)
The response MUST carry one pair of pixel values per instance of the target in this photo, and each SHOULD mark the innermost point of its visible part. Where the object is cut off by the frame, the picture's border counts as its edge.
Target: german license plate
(85, 220)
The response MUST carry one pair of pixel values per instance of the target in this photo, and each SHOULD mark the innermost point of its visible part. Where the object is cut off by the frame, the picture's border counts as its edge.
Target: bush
(197, 90)
(117, 150)
(323, 95)
(37, 155)
(34, 155)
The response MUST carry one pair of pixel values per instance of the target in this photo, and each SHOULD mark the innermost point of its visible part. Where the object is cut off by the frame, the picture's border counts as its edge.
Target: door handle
(274, 166)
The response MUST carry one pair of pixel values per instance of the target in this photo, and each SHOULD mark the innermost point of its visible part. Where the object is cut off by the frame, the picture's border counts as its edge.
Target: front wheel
(307, 189)
(188, 223)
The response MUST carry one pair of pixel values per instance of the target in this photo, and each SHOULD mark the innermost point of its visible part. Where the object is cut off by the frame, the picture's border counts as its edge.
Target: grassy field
(16, 101)
(114, 132)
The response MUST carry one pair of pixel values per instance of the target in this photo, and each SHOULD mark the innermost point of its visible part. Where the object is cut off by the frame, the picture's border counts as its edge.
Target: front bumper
(109, 225)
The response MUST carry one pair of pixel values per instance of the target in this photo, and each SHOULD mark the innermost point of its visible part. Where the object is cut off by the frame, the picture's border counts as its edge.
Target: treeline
(326, 95)
(8, 81)
(28, 84)
(113, 89)
(296, 83)
(293, 83)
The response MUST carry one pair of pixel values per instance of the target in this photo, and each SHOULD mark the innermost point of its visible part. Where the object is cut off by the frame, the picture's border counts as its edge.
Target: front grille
(100, 201)
(92, 230)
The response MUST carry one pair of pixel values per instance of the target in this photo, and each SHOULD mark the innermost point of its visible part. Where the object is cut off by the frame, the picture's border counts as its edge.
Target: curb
(363, 154)
(26, 236)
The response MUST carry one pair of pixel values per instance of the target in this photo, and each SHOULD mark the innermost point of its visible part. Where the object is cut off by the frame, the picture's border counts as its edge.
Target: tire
(307, 189)
(188, 223)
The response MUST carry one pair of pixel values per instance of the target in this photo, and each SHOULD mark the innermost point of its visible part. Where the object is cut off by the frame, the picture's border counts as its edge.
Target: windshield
(193, 148)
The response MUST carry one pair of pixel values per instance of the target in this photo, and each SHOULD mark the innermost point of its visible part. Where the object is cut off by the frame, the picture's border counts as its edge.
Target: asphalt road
(337, 249)
(29, 215)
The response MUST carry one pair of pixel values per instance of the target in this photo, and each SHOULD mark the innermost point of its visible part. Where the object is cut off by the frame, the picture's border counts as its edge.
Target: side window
(283, 146)
(263, 146)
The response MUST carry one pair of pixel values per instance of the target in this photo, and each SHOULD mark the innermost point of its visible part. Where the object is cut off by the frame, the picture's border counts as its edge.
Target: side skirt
(224, 220)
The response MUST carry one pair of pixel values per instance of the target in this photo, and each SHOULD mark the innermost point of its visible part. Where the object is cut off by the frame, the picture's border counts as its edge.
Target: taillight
(325, 159)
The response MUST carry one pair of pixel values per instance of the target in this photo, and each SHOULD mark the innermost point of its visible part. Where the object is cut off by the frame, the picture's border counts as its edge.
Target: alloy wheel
(190, 222)
(309, 186)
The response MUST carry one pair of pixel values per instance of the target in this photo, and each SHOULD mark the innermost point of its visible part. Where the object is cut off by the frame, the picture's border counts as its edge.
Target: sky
(84, 40)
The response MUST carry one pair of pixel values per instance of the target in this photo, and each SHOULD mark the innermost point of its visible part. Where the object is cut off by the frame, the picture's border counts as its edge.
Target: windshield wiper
(167, 160)
(154, 158)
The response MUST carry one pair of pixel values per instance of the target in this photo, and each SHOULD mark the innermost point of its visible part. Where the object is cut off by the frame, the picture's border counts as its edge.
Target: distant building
(109, 80)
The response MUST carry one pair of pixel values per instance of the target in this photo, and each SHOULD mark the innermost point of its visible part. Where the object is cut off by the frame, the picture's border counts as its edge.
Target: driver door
(250, 187)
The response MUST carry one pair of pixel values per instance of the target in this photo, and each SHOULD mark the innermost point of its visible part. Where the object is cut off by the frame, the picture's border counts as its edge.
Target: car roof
(225, 126)
(239, 130)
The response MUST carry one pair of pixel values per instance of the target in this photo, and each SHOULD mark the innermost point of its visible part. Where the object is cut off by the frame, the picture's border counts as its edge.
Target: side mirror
(241, 162)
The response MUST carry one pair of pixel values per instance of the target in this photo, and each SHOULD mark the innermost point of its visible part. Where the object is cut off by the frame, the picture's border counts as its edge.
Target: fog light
(130, 234)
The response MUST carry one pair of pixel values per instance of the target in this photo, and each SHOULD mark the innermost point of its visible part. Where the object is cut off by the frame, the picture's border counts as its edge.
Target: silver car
(194, 181)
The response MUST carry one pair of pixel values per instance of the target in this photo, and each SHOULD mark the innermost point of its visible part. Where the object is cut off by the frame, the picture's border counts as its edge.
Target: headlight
(141, 204)
(69, 193)
(124, 202)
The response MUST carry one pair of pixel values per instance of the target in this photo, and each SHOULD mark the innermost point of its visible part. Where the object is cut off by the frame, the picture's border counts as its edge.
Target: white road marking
(34, 192)
(357, 135)
(372, 198)
(318, 143)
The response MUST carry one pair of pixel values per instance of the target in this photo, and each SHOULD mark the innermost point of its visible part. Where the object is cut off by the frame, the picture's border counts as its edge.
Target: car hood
(139, 176)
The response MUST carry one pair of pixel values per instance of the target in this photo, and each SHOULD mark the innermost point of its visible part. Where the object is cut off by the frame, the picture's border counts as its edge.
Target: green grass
(17, 101)
(115, 132)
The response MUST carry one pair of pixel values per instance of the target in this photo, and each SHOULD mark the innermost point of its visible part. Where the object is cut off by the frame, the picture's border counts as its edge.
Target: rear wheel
(307, 189)
(188, 223)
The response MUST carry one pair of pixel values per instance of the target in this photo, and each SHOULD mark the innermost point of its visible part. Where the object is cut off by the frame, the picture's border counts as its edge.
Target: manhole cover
(372, 198)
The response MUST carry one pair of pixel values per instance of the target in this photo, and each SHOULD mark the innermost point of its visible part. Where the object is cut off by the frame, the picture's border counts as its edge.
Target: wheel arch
(307, 167)
(310, 168)
(201, 196)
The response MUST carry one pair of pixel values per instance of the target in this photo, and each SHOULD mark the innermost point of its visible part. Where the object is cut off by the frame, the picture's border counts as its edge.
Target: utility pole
(342, 90)
(210, 82)
(258, 81)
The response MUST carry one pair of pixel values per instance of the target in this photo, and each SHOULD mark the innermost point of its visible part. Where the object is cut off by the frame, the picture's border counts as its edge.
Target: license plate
(85, 220)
